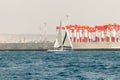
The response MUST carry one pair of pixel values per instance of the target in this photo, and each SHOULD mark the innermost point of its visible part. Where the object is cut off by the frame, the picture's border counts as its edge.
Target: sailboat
(62, 41)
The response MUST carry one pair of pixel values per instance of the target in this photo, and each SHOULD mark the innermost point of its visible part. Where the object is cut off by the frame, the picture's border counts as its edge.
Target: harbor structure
(92, 37)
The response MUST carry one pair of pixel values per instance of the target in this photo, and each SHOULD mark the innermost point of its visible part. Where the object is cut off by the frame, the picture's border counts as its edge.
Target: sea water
(66, 65)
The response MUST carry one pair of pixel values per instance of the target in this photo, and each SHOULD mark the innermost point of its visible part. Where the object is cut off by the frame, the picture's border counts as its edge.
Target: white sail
(67, 40)
(58, 41)
(56, 45)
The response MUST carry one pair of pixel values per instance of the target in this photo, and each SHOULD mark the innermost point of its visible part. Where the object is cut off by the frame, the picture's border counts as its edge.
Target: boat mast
(60, 35)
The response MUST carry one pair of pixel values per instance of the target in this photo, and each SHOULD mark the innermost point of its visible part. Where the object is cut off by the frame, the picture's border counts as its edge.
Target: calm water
(69, 65)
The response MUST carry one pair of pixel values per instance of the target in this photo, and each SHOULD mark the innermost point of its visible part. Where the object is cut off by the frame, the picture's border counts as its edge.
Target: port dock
(43, 46)
(96, 46)
(78, 37)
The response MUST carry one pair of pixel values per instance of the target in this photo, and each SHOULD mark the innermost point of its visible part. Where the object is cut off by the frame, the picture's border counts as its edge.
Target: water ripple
(67, 65)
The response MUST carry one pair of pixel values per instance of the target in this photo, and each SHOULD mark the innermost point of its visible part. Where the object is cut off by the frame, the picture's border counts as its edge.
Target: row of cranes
(104, 33)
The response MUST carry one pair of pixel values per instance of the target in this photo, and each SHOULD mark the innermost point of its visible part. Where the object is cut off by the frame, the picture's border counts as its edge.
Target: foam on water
(66, 65)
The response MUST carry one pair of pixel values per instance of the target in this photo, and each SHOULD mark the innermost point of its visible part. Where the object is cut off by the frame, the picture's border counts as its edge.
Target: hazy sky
(26, 16)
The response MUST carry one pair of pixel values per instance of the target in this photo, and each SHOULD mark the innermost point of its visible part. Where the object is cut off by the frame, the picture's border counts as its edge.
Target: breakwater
(26, 46)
